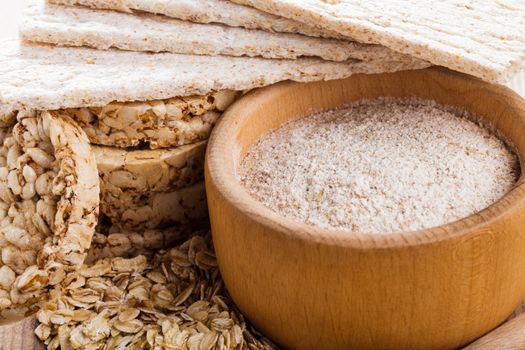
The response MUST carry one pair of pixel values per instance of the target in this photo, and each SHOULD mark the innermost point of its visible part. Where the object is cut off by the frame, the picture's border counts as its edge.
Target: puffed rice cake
(152, 188)
(49, 201)
(153, 124)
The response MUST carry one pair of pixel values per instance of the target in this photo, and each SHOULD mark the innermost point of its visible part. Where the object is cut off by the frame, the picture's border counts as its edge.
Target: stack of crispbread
(484, 38)
(105, 110)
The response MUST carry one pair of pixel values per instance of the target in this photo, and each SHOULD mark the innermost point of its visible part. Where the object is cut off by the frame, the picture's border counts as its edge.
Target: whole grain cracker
(207, 11)
(152, 188)
(132, 209)
(482, 38)
(153, 124)
(81, 26)
(40, 77)
(147, 171)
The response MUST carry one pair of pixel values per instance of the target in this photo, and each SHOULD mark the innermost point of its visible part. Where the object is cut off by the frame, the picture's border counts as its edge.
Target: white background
(10, 15)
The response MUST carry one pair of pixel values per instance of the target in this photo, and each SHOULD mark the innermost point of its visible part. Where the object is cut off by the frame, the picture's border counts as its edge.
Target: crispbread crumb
(380, 166)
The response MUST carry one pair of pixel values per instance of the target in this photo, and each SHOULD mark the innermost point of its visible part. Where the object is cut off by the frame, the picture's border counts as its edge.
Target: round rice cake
(145, 171)
(152, 188)
(49, 200)
(111, 241)
(154, 124)
(145, 210)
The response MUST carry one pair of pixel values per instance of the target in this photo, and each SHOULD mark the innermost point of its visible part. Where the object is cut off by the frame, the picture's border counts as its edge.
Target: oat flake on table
(385, 165)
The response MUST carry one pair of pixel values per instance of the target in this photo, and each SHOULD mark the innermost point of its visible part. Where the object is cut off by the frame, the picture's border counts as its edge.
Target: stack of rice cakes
(150, 157)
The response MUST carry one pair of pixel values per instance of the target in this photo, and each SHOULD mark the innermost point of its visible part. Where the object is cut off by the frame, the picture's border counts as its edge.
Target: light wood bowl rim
(223, 151)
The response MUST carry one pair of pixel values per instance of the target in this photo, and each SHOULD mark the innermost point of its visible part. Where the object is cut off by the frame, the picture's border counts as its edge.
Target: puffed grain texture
(49, 201)
(145, 171)
(153, 124)
(134, 210)
(77, 209)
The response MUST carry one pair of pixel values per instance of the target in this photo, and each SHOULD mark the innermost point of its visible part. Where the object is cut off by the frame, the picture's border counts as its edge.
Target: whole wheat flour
(380, 166)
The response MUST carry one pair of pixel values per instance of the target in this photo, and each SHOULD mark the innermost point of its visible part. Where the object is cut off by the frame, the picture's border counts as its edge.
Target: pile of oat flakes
(175, 300)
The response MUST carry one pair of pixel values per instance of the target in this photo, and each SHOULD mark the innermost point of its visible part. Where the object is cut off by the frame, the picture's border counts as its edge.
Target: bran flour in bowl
(381, 166)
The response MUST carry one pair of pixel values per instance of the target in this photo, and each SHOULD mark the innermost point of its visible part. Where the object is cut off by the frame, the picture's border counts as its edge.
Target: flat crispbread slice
(482, 38)
(207, 11)
(82, 26)
(47, 78)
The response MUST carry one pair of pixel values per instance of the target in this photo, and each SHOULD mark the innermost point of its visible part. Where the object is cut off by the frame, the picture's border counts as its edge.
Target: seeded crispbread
(482, 38)
(82, 26)
(207, 11)
(48, 78)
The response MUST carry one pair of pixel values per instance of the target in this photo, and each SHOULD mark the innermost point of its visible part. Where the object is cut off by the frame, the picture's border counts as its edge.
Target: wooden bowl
(311, 288)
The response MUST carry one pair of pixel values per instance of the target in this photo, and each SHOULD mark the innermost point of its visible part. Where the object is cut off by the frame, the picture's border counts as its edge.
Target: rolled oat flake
(381, 166)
